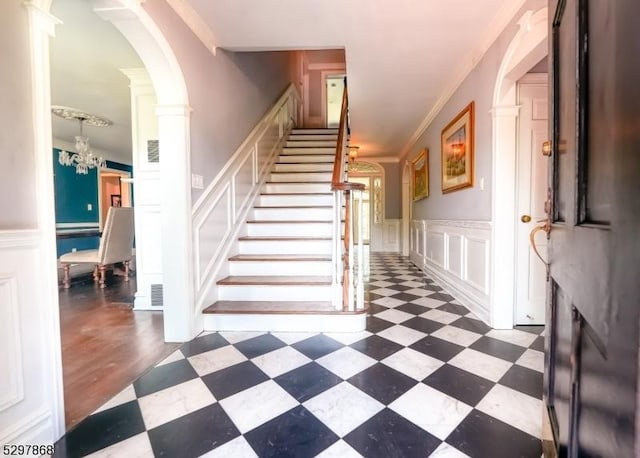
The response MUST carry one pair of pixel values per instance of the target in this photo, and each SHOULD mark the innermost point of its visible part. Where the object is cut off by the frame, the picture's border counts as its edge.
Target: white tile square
(293, 337)
(175, 356)
(256, 405)
(402, 335)
(428, 302)
(447, 451)
(481, 364)
(168, 404)
(343, 408)
(346, 362)
(412, 283)
(347, 338)
(379, 276)
(339, 449)
(137, 446)
(126, 395)
(236, 448)
(440, 316)
(214, 360)
(384, 291)
(234, 337)
(395, 316)
(381, 283)
(533, 359)
(430, 409)
(514, 408)
(388, 302)
(419, 292)
(514, 336)
(456, 335)
(413, 363)
(280, 361)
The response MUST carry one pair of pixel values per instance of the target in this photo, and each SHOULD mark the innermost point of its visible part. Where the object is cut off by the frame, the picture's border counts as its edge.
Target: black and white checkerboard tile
(425, 379)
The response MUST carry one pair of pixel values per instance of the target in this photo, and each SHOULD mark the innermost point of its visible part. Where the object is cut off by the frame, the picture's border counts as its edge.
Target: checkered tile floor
(426, 379)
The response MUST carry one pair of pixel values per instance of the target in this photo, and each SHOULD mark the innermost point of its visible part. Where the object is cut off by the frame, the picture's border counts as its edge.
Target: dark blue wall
(73, 192)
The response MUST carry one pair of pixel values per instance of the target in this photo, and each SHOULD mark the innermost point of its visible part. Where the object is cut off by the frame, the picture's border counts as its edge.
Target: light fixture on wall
(353, 153)
(83, 159)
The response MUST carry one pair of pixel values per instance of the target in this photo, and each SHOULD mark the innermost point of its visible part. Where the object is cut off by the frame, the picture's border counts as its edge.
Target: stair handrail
(347, 296)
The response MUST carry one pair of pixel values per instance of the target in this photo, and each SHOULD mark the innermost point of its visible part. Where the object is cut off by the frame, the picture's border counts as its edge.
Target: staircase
(281, 277)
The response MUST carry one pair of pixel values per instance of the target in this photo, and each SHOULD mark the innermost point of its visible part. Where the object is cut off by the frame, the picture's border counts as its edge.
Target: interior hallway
(105, 344)
(426, 378)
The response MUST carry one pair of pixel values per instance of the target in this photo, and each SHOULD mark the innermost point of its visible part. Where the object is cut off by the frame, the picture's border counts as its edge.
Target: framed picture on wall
(116, 200)
(420, 175)
(457, 151)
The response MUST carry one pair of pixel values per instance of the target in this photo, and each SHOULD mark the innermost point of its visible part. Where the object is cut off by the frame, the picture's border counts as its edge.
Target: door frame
(126, 182)
(407, 208)
(527, 48)
(371, 175)
(325, 75)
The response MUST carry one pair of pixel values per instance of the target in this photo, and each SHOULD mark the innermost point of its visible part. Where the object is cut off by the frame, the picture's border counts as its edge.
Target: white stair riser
(311, 144)
(306, 167)
(285, 247)
(285, 322)
(293, 214)
(290, 229)
(295, 200)
(301, 177)
(311, 158)
(306, 137)
(308, 151)
(293, 268)
(297, 187)
(314, 131)
(285, 293)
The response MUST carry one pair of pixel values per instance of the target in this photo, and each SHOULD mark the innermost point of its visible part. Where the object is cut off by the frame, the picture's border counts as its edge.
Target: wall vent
(156, 295)
(153, 151)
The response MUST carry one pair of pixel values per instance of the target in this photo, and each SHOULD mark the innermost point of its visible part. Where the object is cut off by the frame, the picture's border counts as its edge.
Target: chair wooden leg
(103, 273)
(95, 273)
(66, 281)
(126, 271)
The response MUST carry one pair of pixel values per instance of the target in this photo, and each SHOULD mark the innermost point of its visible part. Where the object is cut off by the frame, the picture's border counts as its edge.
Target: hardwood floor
(105, 344)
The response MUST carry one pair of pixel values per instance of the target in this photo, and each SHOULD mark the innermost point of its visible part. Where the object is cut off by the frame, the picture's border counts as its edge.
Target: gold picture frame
(420, 175)
(458, 151)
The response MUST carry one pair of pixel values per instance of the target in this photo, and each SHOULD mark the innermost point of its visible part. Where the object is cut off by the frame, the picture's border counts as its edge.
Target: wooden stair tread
(276, 307)
(296, 194)
(305, 163)
(276, 280)
(255, 221)
(280, 257)
(297, 207)
(298, 182)
(282, 237)
(301, 171)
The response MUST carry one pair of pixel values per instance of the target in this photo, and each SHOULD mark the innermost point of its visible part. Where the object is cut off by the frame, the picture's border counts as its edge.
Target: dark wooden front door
(591, 367)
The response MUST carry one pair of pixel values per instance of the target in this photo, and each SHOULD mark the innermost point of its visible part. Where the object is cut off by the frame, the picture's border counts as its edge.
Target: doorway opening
(372, 176)
(334, 88)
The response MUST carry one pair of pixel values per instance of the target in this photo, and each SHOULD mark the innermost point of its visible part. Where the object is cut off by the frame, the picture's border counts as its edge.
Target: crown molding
(495, 28)
(195, 23)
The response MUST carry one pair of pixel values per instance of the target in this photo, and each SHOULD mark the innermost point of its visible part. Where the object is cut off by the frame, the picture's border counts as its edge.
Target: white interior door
(334, 90)
(532, 191)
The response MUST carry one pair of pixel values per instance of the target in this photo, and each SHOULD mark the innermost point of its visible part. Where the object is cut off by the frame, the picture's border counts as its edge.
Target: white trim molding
(456, 254)
(195, 22)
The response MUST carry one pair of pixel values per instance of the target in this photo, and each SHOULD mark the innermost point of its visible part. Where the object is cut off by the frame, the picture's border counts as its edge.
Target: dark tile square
(405, 297)
(461, 385)
(382, 383)
(441, 296)
(438, 348)
(296, 433)
(471, 325)
(317, 346)
(524, 380)
(480, 435)
(307, 381)
(193, 434)
(375, 324)
(538, 344)
(376, 308)
(102, 430)
(452, 308)
(400, 287)
(533, 329)
(232, 380)
(388, 434)
(423, 324)
(164, 376)
(376, 347)
(498, 348)
(415, 309)
(372, 296)
(202, 344)
(260, 345)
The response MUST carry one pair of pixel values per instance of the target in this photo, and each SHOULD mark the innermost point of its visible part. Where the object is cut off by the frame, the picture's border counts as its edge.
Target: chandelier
(83, 159)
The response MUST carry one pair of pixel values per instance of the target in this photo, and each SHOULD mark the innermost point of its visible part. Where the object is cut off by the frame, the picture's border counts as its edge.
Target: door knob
(525, 218)
(546, 148)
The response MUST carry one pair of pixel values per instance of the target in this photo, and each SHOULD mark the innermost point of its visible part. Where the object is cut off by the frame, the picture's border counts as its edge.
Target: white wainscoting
(220, 212)
(27, 356)
(457, 255)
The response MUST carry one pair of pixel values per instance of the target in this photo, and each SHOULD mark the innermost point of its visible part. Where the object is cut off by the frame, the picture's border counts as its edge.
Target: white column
(146, 189)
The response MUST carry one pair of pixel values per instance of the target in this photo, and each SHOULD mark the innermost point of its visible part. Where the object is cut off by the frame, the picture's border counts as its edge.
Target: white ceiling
(402, 56)
(87, 54)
